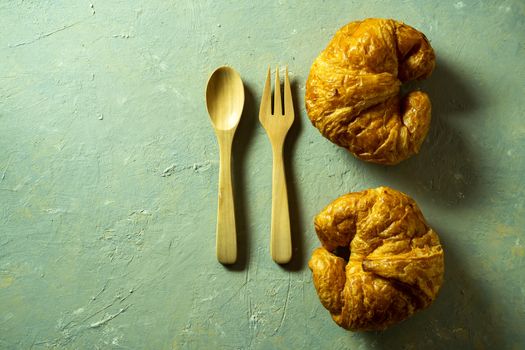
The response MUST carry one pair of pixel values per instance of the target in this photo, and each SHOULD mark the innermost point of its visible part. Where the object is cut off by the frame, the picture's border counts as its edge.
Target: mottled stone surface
(109, 169)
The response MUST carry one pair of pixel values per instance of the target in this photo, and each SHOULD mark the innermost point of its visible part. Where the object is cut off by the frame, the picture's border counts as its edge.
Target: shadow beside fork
(241, 147)
(298, 262)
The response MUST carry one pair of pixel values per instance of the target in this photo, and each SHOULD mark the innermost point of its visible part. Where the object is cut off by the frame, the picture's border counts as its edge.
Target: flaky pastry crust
(395, 266)
(353, 90)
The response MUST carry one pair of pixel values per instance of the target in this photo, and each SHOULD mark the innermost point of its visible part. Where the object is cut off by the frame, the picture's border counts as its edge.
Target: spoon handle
(226, 231)
(280, 238)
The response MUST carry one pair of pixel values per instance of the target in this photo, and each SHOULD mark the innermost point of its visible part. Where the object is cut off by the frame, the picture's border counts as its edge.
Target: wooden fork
(277, 126)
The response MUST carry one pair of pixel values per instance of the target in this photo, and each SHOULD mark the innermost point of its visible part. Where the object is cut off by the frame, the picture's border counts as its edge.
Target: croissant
(353, 90)
(395, 265)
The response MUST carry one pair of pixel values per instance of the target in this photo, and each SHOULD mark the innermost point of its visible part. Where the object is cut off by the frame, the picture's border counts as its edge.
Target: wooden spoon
(224, 101)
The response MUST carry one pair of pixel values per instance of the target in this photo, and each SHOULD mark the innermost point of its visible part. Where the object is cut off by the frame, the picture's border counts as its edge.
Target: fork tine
(288, 101)
(277, 106)
(266, 100)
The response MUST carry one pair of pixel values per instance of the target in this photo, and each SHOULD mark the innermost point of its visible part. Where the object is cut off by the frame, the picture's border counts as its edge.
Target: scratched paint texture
(108, 176)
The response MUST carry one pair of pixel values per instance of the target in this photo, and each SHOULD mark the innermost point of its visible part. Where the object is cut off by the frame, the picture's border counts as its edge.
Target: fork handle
(281, 238)
(226, 230)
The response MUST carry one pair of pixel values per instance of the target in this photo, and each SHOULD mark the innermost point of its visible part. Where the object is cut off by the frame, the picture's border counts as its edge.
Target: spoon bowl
(225, 98)
(224, 101)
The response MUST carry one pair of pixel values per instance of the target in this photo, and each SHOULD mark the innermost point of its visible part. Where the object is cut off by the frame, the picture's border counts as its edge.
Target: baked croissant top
(353, 90)
(395, 266)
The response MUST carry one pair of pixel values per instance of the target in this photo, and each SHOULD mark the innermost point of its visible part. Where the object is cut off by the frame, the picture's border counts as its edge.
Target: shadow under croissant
(446, 168)
(460, 317)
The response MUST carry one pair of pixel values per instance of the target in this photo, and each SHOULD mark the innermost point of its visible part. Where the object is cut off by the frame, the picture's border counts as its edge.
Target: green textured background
(109, 169)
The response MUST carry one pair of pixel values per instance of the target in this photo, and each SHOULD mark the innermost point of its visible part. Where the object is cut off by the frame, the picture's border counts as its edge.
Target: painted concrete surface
(109, 170)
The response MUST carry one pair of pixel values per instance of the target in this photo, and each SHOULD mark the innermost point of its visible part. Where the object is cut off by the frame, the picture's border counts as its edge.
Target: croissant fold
(395, 265)
(353, 90)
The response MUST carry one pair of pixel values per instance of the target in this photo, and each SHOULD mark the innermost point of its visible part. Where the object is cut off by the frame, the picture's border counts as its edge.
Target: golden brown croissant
(396, 262)
(352, 91)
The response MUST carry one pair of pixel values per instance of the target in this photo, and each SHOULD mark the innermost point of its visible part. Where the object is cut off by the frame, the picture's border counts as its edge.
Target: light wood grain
(224, 101)
(277, 125)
